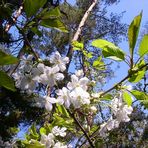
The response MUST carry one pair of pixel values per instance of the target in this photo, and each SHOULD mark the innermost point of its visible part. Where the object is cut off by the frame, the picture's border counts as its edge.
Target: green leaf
(32, 6)
(33, 144)
(50, 14)
(43, 130)
(6, 59)
(32, 133)
(54, 23)
(87, 54)
(109, 50)
(141, 96)
(77, 45)
(133, 32)
(6, 81)
(99, 143)
(99, 64)
(107, 97)
(14, 130)
(63, 110)
(143, 49)
(62, 121)
(136, 77)
(36, 31)
(127, 98)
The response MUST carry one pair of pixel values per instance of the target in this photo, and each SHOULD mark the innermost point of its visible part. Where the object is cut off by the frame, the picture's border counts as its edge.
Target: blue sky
(132, 8)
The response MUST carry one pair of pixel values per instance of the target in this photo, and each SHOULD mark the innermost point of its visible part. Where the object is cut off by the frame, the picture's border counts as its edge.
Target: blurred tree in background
(50, 27)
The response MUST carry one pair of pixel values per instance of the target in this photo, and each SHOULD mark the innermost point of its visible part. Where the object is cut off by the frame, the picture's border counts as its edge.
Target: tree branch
(94, 134)
(17, 14)
(129, 75)
(79, 30)
(82, 129)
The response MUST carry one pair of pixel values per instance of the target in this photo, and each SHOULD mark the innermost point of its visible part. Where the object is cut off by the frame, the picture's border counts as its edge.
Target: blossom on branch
(57, 131)
(59, 61)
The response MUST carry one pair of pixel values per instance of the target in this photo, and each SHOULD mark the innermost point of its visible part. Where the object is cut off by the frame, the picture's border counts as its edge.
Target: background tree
(21, 108)
(33, 38)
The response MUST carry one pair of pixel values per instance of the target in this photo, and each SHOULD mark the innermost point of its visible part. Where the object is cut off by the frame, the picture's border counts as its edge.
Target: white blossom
(57, 131)
(123, 112)
(24, 82)
(60, 145)
(48, 103)
(79, 97)
(59, 61)
(50, 76)
(27, 63)
(76, 82)
(93, 109)
(47, 140)
(120, 110)
(64, 97)
(107, 126)
(128, 87)
(95, 95)
(79, 73)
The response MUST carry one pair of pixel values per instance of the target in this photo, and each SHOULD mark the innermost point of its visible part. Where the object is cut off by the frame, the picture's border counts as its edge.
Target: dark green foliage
(16, 108)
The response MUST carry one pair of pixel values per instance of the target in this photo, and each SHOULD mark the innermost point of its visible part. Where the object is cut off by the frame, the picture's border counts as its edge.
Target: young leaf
(62, 110)
(109, 49)
(141, 96)
(133, 32)
(87, 54)
(33, 144)
(32, 6)
(54, 23)
(32, 133)
(6, 81)
(53, 13)
(136, 77)
(107, 97)
(77, 45)
(99, 64)
(127, 98)
(43, 131)
(6, 59)
(36, 31)
(143, 49)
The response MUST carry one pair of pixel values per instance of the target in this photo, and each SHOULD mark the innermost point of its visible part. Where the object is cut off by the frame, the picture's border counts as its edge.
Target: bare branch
(82, 23)
(79, 30)
(17, 14)
(82, 129)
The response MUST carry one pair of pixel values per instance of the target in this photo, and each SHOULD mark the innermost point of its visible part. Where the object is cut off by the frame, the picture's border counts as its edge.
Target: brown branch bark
(82, 129)
(82, 23)
(128, 76)
(79, 30)
(17, 14)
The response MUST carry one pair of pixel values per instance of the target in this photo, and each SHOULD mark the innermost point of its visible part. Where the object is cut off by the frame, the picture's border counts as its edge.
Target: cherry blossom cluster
(75, 93)
(50, 139)
(29, 73)
(120, 112)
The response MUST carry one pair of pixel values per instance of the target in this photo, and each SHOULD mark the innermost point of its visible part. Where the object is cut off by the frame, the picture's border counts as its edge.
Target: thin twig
(79, 30)
(27, 42)
(82, 129)
(129, 75)
(17, 14)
